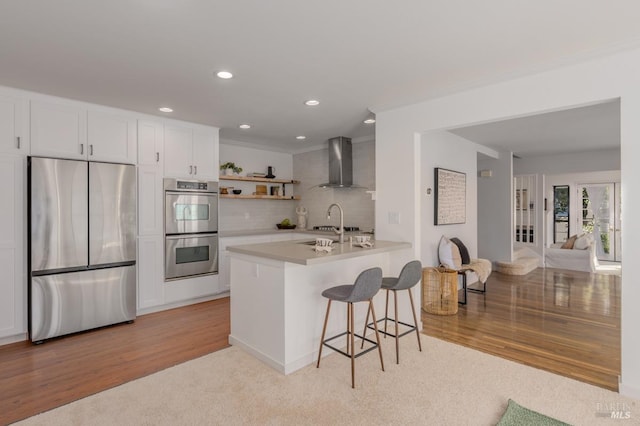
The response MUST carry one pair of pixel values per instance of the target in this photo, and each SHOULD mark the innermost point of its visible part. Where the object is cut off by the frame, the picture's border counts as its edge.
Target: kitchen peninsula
(277, 307)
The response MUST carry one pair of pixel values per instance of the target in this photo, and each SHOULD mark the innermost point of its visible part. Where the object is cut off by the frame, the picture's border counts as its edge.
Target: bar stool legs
(351, 337)
(386, 318)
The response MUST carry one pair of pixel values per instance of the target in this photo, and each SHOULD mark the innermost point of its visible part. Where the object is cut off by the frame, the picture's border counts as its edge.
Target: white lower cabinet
(150, 271)
(13, 237)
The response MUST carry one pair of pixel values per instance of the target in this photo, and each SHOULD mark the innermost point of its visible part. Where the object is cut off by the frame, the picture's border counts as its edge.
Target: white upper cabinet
(191, 151)
(150, 143)
(111, 137)
(205, 152)
(14, 129)
(68, 129)
(58, 129)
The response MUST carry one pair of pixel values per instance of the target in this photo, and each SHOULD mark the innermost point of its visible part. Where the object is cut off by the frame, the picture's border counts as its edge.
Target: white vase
(228, 172)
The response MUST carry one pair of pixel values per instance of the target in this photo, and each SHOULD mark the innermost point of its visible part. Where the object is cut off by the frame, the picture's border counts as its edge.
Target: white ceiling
(351, 55)
(589, 128)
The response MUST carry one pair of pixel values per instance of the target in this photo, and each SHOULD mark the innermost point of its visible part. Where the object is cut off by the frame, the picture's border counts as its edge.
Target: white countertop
(250, 232)
(295, 252)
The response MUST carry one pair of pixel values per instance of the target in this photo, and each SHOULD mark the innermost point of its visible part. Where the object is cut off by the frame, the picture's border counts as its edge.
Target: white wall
(445, 150)
(588, 161)
(312, 169)
(243, 214)
(495, 221)
(397, 143)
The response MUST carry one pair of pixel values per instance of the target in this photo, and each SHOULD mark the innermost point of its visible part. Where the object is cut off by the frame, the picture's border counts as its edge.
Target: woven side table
(440, 291)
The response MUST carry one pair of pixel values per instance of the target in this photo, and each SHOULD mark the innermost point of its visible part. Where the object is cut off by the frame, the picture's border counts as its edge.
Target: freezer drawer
(76, 301)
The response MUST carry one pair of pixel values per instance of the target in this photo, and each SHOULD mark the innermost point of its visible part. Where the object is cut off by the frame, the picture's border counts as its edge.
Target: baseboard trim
(233, 341)
(14, 339)
(180, 304)
(630, 391)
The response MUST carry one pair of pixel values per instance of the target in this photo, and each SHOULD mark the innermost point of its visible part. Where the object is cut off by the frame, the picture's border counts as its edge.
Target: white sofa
(575, 259)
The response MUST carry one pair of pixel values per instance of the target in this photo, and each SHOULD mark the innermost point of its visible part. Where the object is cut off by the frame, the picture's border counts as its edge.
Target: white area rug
(446, 384)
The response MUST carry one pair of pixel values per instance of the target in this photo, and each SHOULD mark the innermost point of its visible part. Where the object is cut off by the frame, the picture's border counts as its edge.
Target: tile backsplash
(312, 169)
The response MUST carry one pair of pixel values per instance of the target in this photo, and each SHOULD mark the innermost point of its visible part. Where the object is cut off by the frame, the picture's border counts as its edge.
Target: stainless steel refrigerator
(82, 246)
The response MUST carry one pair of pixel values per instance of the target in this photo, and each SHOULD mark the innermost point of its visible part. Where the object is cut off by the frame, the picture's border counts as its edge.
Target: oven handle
(207, 194)
(185, 236)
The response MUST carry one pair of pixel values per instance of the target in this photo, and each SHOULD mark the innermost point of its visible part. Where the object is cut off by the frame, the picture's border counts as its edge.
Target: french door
(600, 205)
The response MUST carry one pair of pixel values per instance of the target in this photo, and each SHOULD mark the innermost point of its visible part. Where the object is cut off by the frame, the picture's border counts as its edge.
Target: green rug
(517, 415)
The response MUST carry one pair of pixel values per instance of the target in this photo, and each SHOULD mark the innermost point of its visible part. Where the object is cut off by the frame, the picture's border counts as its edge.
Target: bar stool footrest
(340, 351)
(411, 327)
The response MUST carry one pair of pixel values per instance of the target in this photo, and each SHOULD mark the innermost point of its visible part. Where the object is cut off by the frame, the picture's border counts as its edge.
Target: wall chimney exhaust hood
(340, 164)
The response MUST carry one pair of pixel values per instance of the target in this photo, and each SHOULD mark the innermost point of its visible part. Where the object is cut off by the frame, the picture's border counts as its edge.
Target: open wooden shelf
(257, 179)
(261, 197)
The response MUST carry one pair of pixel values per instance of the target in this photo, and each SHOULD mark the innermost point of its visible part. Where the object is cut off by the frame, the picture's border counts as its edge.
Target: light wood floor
(561, 321)
(564, 322)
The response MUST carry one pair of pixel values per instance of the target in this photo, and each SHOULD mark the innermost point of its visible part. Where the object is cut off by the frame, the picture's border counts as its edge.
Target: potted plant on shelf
(230, 168)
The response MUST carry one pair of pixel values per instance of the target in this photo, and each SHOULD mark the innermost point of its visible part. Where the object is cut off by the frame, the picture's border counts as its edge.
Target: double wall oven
(190, 228)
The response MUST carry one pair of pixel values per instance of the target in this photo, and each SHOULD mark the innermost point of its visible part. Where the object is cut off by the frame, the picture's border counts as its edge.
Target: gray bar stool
(365, 287)
(410, 275)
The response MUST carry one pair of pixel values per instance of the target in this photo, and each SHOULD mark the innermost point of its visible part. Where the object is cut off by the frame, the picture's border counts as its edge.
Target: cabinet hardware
(91, 149)
(18, 138)
(190, 170)
(195, 170)
(157, 157)
(81, 149)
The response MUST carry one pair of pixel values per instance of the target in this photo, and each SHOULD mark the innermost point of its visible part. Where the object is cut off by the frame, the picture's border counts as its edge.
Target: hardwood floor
(561, 321)
(34, 378)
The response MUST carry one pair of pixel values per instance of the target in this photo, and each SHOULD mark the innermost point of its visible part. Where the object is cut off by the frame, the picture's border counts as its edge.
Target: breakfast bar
(276, 304)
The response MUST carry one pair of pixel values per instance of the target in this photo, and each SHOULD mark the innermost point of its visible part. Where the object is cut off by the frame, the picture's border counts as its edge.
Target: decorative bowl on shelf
(237, 191)
(281, 226)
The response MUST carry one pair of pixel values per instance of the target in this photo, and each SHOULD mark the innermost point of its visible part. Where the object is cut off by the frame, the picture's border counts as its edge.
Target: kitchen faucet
(339, 231)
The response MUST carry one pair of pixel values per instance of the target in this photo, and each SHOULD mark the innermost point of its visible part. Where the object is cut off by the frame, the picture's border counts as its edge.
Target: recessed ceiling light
(165, 109)
(224, 74)
(312, 102)
(245, 126)
(301, 138)
(369, 121)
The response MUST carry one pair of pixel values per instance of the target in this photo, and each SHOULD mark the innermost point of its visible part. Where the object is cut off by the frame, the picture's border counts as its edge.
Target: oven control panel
(190, 185)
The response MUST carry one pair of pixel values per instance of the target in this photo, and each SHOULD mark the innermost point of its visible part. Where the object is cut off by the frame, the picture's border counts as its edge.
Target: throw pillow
(448, 254)
(464, 253)
(583, 242)
(570, 242)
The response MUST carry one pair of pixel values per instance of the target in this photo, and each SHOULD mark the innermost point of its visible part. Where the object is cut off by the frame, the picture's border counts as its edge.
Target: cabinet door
(178, 148)
(224, 275)
(150, 143)
(205, 152)
(14, 132)
(111, 137)
(150, 200)
(150, 272)
(13, 286)
(58, 130)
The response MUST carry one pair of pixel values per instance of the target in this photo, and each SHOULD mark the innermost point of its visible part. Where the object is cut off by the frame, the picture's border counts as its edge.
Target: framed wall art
(450, 197)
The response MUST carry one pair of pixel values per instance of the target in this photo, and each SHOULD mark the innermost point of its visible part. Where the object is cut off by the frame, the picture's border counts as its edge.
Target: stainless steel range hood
(340, 164)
